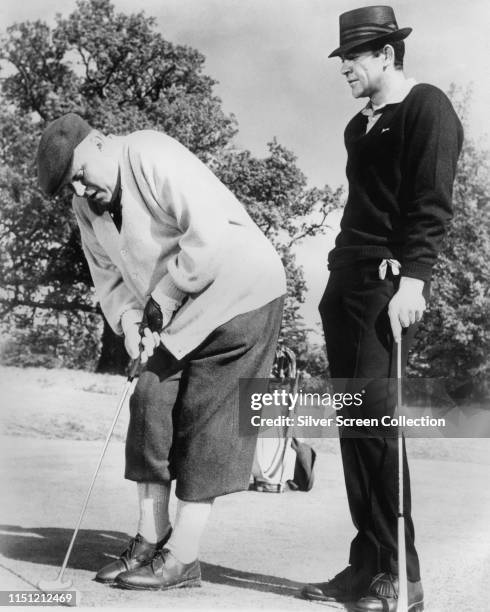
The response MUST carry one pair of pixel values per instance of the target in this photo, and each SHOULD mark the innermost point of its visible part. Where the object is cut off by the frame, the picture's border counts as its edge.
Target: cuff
(167, 294)
(416, 270)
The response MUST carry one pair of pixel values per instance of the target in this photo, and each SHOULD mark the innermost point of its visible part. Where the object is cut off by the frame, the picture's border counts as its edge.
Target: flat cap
(55, 151)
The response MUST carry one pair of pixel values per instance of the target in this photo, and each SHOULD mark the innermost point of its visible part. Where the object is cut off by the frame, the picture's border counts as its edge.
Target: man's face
(364, 72)
(94, 170)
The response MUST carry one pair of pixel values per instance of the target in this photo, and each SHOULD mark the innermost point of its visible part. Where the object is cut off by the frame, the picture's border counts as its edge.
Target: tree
(120, 74)
(274, 192)
(454, 339)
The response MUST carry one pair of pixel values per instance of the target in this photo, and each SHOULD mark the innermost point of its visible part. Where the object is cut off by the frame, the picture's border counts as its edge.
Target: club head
(54, 585)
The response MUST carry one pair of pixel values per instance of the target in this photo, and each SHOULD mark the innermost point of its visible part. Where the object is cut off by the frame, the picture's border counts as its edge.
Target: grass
(78, 405)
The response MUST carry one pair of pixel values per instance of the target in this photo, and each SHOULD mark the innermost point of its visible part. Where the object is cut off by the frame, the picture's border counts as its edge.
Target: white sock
(190, 521)
(154, 521)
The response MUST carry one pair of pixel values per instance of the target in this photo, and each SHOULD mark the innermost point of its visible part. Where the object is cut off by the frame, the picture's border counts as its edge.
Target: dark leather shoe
(138, 553)
(382, 595)
(163, 573)
(348, 585)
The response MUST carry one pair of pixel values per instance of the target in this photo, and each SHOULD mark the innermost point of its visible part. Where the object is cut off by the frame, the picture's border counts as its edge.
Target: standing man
(169, 245)
(402, 151)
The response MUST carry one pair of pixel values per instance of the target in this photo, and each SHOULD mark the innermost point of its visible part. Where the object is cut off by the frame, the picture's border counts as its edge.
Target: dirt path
(259, 548)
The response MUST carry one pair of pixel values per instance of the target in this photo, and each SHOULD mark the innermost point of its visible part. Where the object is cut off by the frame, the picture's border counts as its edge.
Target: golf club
(58, 584)
(402, 605)
(287, 433)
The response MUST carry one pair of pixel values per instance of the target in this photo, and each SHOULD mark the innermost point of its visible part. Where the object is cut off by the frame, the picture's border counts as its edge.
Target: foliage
(274, 192)
(313, 359)
(52, 338)
(119, 73)
(454, 340)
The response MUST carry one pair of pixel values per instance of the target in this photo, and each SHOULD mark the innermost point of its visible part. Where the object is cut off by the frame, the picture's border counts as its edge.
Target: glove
(142, 329)
(153, 316)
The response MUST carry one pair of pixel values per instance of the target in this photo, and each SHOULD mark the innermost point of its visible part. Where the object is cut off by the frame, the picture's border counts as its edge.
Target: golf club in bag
(59, 584)
(402, 605)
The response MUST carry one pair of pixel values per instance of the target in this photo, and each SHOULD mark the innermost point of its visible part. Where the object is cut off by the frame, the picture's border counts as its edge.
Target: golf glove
(152, 316)
(156, 317)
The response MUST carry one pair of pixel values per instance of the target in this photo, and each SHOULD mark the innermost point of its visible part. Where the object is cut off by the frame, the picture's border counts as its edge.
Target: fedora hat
(367, 25)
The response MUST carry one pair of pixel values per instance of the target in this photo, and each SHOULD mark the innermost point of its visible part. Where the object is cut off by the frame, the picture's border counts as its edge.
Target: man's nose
(79, 188)
(346, 66)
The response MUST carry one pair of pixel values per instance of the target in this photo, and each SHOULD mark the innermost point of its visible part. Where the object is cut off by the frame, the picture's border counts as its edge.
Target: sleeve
(115, 298)
(196, 202)
(434, 138)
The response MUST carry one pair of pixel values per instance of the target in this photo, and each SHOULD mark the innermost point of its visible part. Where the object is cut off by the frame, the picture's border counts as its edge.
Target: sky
(270, 58)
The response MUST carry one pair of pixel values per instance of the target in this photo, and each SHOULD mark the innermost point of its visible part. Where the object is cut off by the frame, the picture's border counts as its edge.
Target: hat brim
(64, 180)
(379, 40)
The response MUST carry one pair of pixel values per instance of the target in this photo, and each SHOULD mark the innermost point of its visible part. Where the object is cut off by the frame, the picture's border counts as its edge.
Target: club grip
(134, 368)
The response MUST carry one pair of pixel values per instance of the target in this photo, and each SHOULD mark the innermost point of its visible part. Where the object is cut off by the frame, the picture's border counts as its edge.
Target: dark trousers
(184, 419)
(360, 348)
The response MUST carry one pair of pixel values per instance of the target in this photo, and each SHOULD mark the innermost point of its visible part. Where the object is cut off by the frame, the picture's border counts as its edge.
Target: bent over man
(402, 150)
(169, 245)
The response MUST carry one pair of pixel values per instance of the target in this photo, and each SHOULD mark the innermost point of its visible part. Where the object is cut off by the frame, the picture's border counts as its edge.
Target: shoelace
(129, 550)
(158, 560)
(383, 584)
(129, 553)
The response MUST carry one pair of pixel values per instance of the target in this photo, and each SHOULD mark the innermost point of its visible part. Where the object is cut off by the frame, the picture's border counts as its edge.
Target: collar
(396, 96)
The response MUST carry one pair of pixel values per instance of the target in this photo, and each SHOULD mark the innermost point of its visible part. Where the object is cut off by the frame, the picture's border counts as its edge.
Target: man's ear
(98, 139)
(389, 55)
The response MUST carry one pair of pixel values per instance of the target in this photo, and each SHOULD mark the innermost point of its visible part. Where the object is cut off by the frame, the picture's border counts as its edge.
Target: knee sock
(190, 521)
(154, 521)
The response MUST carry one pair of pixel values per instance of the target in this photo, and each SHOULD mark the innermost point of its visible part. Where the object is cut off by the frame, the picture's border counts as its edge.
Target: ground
(259, 548)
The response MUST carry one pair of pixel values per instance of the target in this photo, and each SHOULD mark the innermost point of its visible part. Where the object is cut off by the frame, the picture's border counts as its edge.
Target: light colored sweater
(183, 235)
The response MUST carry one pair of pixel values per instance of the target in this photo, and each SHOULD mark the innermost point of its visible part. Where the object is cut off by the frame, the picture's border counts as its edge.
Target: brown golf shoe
(163, 573)
(347, 585)
(138, 553)
(382, 595)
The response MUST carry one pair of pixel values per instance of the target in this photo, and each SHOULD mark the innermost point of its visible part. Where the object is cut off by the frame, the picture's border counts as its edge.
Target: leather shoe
(138, 553)
(382, 595)
(347, 585)
(162, 573)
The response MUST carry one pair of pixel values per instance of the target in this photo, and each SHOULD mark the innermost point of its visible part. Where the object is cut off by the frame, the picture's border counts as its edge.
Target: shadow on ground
(48, 546)
(94, 548)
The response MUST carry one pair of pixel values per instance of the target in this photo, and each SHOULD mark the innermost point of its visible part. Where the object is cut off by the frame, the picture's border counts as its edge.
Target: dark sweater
(401, 176)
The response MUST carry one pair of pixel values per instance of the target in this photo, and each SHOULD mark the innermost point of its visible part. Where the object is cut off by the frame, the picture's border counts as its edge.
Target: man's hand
(406, 306)
(138, 345)
(138, 341)
(153, 316)
(132, 339)
(142, 329)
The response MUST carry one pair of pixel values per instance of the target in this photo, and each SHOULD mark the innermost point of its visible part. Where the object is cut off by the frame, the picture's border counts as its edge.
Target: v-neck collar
(384, 113)
(397, 97)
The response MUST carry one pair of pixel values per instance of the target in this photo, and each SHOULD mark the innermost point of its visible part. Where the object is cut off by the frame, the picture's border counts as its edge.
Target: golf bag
(281, 460)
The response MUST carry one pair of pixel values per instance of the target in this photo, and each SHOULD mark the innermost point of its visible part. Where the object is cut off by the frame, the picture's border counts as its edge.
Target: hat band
(350, 34)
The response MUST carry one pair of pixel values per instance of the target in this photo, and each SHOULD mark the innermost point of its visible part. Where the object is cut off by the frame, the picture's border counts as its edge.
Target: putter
(58, 584)
(402, 605)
